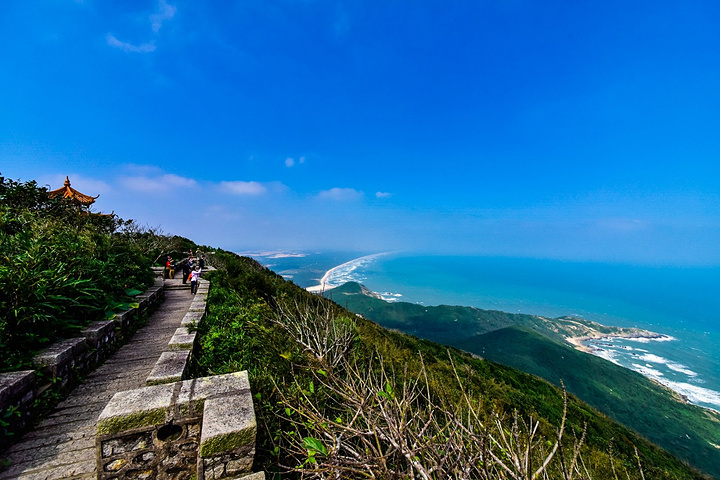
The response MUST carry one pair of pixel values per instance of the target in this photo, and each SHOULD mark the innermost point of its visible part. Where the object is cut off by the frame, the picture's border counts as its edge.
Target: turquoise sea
(682, 302)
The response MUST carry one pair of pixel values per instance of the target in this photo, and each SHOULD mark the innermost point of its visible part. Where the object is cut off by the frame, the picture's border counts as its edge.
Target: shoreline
(323, 286)
(673, 387)
(578, 342)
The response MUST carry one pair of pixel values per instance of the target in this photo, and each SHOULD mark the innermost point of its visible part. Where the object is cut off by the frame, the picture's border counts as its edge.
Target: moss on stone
(163, 380)
(145, 418)
(227, 442)
(192, 408)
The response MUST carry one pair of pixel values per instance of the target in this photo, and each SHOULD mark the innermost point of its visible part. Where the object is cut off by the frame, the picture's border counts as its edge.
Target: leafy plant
(61, 268)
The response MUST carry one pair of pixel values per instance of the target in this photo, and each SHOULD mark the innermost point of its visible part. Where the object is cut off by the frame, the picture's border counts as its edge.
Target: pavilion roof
(66, 191)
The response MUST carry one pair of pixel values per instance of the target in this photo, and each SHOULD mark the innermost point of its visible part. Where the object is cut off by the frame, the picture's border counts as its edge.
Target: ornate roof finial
(72, 195)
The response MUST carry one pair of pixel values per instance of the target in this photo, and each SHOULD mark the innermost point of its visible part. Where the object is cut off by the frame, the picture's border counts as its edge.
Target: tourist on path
(185, 271)
(194, 279)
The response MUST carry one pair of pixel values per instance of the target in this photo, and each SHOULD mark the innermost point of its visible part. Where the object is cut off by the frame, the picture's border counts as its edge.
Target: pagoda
(72, 195)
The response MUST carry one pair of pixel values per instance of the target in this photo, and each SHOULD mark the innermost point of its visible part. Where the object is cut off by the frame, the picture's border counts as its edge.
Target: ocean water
(303, 268)
(683, 303)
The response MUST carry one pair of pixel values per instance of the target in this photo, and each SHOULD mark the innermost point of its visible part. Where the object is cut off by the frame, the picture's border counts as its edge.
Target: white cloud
(163, 184)
(291, 162)
(383, 195)
(178, 181)
(165, 12)
(129, 47)
(341, 194)
(243, 188)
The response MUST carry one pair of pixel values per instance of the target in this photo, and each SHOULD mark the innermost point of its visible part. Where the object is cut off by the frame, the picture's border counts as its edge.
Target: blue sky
(580, 130)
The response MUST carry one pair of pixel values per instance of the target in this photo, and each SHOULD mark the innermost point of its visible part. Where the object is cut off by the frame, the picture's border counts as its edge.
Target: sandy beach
(578, 342)
(324, 286)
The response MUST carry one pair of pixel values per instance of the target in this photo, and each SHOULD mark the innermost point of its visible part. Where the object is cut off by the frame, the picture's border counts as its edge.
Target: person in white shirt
(194, 279)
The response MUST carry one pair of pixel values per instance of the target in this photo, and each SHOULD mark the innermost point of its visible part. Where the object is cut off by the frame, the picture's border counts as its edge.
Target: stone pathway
(63, 444)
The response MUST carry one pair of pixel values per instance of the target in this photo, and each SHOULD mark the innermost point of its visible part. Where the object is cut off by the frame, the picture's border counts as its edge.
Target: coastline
(325, 285)
(682, 391)
(579, 342)
(651, 364)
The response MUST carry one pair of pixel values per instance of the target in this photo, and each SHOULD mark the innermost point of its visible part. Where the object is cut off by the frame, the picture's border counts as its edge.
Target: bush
(61, 267)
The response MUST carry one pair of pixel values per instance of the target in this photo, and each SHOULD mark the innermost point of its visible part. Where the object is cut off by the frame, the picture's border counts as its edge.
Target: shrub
(61, 267)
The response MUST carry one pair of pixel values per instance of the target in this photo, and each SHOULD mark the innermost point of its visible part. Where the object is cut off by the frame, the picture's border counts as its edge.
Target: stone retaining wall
(62, 363)
(203, 428)
(174, 429)
(173, 364)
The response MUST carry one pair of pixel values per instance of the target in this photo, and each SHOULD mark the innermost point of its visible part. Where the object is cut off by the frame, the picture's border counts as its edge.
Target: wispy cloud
(341, 194)
(383, 195)
(243, 188)
(129, 47)
(165, 12)
(163, 184)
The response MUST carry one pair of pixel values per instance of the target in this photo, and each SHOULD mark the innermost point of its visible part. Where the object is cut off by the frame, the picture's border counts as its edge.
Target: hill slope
(447, 323)
(690, 432)
(535, 345)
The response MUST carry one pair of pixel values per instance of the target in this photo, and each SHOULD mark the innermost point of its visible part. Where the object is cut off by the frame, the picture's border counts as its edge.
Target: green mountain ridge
(451, 321)
(537, 345)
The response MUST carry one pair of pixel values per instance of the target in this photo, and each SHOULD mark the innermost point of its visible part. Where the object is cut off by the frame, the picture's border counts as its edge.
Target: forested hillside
(339, 395)
(536, 345)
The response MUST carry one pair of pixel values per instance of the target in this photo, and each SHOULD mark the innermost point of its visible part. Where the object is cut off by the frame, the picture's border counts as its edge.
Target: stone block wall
(203, 428)
(173, 364)
(194, 429)
(18, 391)
(61, 364)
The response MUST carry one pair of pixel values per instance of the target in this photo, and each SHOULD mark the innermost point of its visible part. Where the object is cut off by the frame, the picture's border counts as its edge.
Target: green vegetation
(61, 267)
(535, 345)
(338, 396)
(447, 324)
(690, 432)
